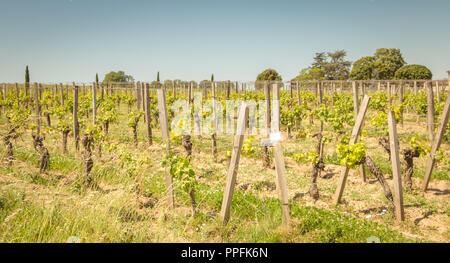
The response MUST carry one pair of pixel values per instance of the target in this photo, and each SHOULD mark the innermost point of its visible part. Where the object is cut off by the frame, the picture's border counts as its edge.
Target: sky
(72, 40)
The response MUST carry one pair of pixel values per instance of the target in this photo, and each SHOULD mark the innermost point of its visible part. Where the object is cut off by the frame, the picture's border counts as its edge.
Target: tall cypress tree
(212, 77)
(96, 78)
(27, 80)
(27, 75)
(157, 77)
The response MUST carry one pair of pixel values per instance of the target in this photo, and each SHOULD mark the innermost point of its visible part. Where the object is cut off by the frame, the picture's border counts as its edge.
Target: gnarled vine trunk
(106, 128)
(88, 163)
(65, 134)
(47, 116)
(317, 168)
(379, 175)
(193, 204)
(187, 144)
(265, 156)
(43, 152)
(214, 146)
(135, 136)
(408, 156)
(9, 146)
(384, 142)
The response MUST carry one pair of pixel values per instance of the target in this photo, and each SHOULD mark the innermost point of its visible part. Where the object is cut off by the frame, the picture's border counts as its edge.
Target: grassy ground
(54, 206)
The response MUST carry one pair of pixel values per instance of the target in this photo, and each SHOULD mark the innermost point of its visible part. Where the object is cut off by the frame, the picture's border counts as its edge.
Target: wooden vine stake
(102, 95)
(161, 93)
(190, 93)
(136, 94)
(38, 110)
(299, 102)
(437, 142)
(17, 94)
(147, 113)
(76, 125)
(266, 131)
(143, 97)
(61, 94)
(438, 92)
(279, 158)
(94, 102)
(430, 111)
(353, 139)
(396, 169)
(282, 183)
(2, 109)
(362, 168)
(144, 103)
(402, 91)
(389, 93)
(234, 163)
(174, 91)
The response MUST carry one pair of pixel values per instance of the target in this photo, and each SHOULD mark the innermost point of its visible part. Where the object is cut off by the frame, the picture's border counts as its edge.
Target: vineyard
(111, 162)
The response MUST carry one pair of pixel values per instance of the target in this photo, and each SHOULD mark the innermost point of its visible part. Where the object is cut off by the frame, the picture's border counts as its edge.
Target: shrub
(269, 74)
(413, 72)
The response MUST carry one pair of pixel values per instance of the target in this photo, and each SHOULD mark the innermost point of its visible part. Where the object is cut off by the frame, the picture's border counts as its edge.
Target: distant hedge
(269, 74)
(413, 72)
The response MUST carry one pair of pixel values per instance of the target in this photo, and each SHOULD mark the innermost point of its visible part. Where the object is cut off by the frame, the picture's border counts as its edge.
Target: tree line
(385, 64)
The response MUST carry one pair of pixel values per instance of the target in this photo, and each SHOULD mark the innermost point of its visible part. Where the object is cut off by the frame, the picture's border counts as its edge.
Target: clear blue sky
(71, 40)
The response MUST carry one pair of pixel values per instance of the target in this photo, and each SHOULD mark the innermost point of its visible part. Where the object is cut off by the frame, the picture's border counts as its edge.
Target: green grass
(54, 206)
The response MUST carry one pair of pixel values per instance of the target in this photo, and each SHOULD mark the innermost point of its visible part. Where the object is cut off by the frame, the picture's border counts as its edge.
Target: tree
(337, 68)
(383, 65)
(27, 75)
(118, 76)
(387, 62)
(332, 64)
(320, 59)
(413, 72)
(310, 73)
(96, 78)
(168, 83)
(157, 77)
(363, 68)
(212, 77)
(269, 74)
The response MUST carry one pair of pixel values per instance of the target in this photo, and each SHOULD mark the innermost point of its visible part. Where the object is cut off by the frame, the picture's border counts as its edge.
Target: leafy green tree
(168, 83)
(269, 74)
(382, 65)
(205, 82)
(363, 68)
(320, 59)
(310, 73)
(118, 76)
(387, 62)
(332, 64)
(413, 72)
(337, 68)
